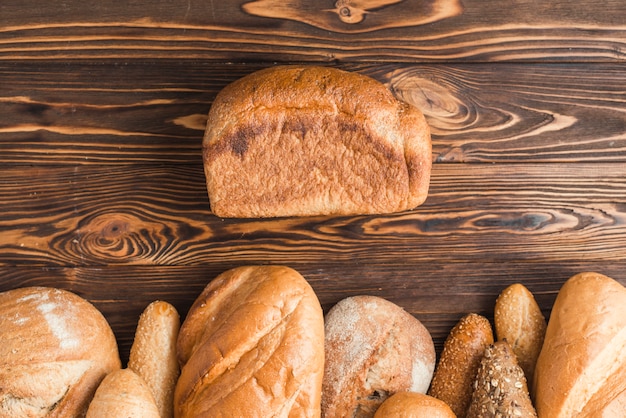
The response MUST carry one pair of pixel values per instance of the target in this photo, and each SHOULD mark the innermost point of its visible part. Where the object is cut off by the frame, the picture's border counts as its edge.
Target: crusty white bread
(581, 369)
(500, 388)
(153, 353)
(519, 320)
(458, 364)
(374, 348)
(413, 405)
(252, 345)
(312, 140)
(56, 349)
(125, 394)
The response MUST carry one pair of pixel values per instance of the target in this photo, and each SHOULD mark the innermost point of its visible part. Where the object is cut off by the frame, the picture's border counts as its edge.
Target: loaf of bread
(252, 345)
(312, 140)
(153, 353)
(458, 364)
(413, 405)
(581, 369)
(374, 348)
(125, 394)
(56, 349)
(519, 320)
(500, 388)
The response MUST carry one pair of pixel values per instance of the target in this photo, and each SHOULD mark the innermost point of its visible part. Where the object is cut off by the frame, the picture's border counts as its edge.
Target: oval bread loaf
(459, 361)
(312, 140)
(518, 319)
(413, 405)
(56, 349)
(374, 348)
(252, 345)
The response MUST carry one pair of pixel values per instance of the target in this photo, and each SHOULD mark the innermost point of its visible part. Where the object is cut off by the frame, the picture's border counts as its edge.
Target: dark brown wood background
(103, 107)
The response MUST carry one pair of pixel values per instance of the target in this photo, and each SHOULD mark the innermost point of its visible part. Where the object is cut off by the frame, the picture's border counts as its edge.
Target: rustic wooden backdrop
(102, 112)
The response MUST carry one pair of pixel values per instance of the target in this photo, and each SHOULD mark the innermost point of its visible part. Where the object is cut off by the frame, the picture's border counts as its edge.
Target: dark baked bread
(252, 345)
(374, 349)
(299, 140)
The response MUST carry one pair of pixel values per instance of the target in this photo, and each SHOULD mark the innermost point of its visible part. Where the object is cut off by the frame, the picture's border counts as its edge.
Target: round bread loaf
(413, 405)
(56, 349)
(581, 370)
(252, 345)
(374, 348)
(311, 140)
(459, 361)
(123, 393)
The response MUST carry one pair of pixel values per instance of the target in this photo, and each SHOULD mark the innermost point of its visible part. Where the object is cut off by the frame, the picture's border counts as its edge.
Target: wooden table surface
(103, 107)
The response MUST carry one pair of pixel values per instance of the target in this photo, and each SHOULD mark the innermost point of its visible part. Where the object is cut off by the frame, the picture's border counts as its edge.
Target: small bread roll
(500, 388)
(581, 369)
(374, 348)
(252, 345)
(458, 364)
(153, 353)
(123, 393)
(518, 319)
(413, 405)
(55, 349)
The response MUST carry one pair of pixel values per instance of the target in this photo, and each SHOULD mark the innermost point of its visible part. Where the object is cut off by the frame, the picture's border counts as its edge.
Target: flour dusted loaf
(374, 349)
(56, 349)
(309, 140)
(252, 345)
(581, 369)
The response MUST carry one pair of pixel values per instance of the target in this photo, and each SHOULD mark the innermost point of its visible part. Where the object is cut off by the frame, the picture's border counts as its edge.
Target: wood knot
(349, 13)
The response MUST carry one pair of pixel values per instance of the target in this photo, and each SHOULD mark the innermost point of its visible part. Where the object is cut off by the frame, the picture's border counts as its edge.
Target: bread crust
(309, 140)
(413, 405)
(252, 345)
(581, 367)
(56, 349)
(374, 349)
(459, 361)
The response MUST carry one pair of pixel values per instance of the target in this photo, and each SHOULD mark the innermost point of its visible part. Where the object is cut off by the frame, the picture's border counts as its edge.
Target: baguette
(153, 353)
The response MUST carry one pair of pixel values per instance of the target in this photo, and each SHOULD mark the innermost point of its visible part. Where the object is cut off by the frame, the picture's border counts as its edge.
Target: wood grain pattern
(108, 113)
(371, 30)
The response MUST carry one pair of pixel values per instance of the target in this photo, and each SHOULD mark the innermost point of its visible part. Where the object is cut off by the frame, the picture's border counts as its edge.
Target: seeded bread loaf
(309, 140)
(56, 349)
(374, 349)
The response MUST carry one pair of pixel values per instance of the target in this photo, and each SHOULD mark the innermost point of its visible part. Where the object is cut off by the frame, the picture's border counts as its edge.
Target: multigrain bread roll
(300, 140)
(458, 364)
(252, 345)
(413, 405)
(125, 394)
(519, 320)
(374, 348)
(581, 369)
(500, 388)
(56, 349)
(153, 353)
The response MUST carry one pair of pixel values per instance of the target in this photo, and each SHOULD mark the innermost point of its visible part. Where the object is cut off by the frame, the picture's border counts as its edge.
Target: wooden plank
(295, 30)
(138, 112)
(438, 294)
(160, 215)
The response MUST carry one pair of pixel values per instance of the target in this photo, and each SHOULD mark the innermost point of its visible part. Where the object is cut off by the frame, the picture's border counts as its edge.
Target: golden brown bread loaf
(413, 405)
(581, 369)
(307, 140)
(374, 348)
(56, 349)
(458, 364)
(153, 353)
(125, 394)
(500, 388)
(252, 345)
(519, 320)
